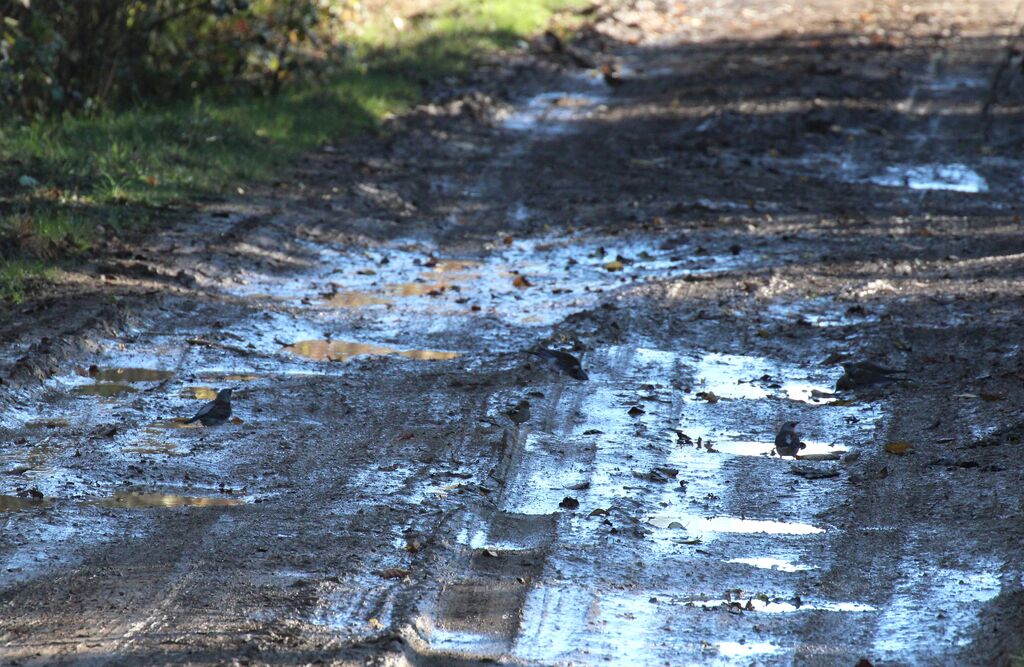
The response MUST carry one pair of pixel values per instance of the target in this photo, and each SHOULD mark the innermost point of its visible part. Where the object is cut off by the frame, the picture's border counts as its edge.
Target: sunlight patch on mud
(142, 500)
(783, 606)
(337, 350)
(935, 607)
(699, 525)
(768, 563)
(352, 299)
(746, 649)
(122, 375)
(16, 503)
(109, 390)
(954, 177)
(552, 112)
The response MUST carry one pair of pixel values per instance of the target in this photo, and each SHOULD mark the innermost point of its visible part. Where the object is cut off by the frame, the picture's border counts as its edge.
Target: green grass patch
(16, 275)
(66, 182)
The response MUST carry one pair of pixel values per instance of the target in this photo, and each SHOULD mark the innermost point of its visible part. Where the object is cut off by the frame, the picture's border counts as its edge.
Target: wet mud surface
(746, 195)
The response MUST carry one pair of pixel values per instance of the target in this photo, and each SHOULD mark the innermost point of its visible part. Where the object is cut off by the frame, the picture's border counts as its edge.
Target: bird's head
(224, 395)
(789, 426)
(848, 366)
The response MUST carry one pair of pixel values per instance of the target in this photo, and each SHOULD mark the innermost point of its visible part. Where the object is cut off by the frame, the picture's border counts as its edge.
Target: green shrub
(58, 55)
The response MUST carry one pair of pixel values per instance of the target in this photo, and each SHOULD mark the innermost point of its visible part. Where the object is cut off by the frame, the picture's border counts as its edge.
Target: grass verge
(65, 183)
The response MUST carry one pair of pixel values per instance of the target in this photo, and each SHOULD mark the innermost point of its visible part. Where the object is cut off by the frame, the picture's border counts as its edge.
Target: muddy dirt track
(754, 191)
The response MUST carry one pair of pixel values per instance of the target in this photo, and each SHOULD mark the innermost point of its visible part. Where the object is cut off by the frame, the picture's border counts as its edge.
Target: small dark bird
(859, 374)
(216, 412)
(562, 361)
(787, 440)
(519, 413)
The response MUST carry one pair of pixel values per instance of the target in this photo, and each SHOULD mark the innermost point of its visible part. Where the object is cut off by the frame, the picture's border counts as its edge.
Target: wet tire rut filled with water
(746, 195)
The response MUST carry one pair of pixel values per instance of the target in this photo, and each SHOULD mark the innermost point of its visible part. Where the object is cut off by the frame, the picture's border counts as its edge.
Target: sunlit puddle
(746, 649)
(141, 500)
(732, 376)
(172, 423)
(563, 625)
(551, 111)
(338, 350)
(108, 390)
(232, 377)
(699, 525)
(34, 459)
(528, 282)
(128, 374)
(199, 393)
(769, 606)
(470, 643)
(778, 564)
(17, 503)
(352, 299)
(729, 442)
(955, 177)
(935, 607)
(153, 448)
(821, 312)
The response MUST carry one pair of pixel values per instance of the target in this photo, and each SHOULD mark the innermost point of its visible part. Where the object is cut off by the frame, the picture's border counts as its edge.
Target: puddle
(551, 112)
(355, 300)
(153, 447)
(766, 563)
(174, 422)
(734, 376)
(954, 177)
(746, 649)
(16, 503)
(730, 442)
(199, 393)
(104, 390)
(699, 525)
(935, 608)
(139, 500)
(338, 350)
(233, 377)
(783, 606)
(122, 375)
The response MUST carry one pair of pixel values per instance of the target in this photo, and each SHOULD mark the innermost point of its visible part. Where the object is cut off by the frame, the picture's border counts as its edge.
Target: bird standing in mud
(858, 374)
(216, 412)
(787, 441)
(562, 361)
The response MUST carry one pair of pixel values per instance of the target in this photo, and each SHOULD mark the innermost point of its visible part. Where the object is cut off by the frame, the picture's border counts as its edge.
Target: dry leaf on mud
(599, 512)
(899, 447)
(393, 573)
(614, 265)
(636, 410)
(521, 282)
(708, 396)
(375, 624)
(236, 421)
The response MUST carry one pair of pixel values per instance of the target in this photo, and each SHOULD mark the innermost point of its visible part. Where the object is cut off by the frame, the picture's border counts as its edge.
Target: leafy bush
(58, 55)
